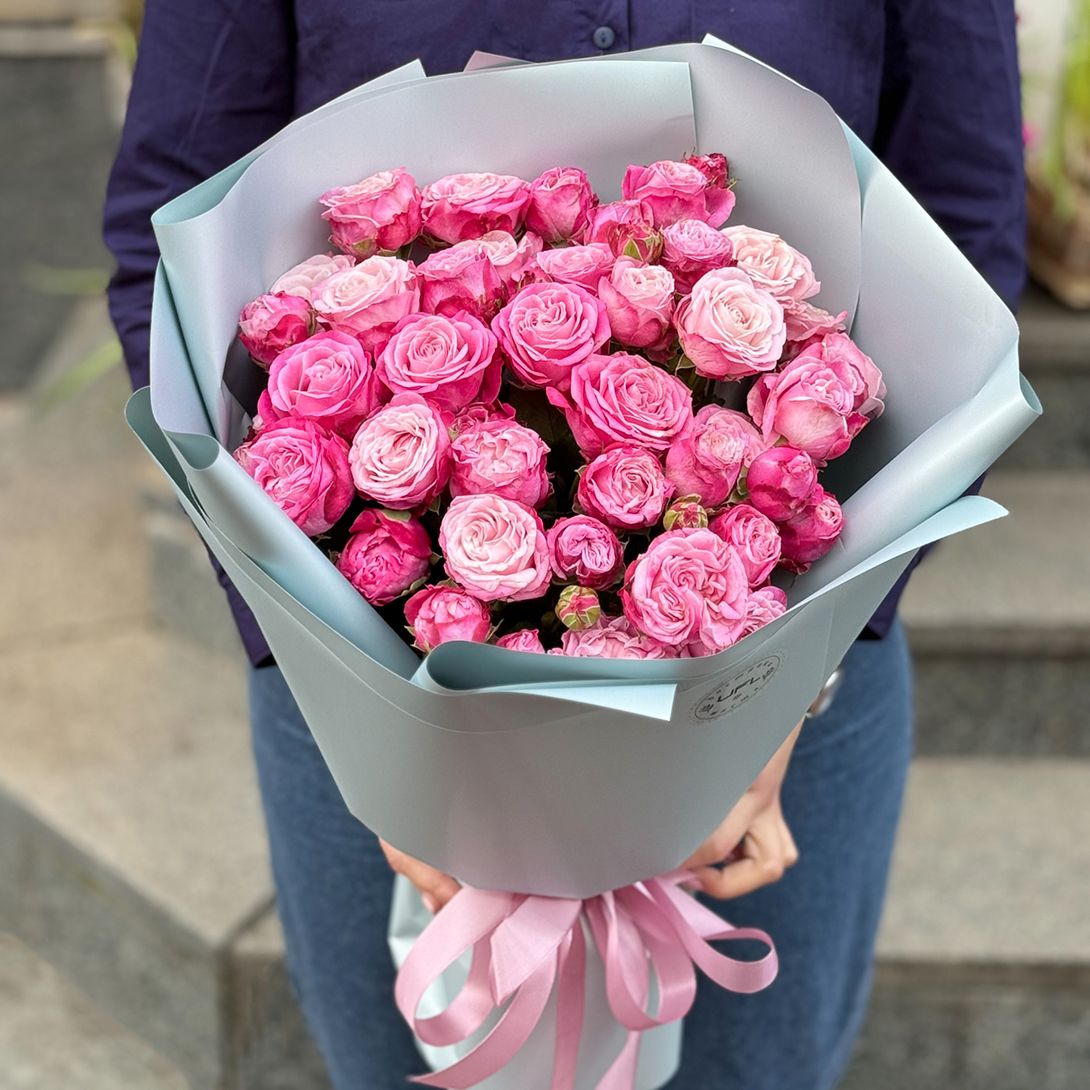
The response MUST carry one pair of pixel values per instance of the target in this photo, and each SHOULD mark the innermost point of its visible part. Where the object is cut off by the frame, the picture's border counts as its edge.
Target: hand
(435, 887)
(753, 841)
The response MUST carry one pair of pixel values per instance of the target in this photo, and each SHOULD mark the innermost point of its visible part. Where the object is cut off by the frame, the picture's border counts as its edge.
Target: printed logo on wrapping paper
(741, 686)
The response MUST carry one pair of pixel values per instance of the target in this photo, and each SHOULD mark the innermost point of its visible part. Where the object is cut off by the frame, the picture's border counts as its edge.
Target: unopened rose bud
(578, 608)
(684, 514)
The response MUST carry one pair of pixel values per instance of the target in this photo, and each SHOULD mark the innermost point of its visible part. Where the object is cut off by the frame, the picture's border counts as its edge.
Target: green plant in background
(1066, 158)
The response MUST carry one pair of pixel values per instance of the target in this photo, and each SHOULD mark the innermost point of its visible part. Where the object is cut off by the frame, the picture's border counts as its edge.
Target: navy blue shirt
(931, 85)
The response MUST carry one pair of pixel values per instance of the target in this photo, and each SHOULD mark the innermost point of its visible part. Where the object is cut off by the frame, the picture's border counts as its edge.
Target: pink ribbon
(525, 946)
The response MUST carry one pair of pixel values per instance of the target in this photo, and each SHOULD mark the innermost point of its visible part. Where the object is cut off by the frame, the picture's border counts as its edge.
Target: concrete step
(999, 621)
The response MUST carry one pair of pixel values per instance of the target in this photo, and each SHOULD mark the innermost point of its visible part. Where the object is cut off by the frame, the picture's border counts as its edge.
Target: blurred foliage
(1066, 159)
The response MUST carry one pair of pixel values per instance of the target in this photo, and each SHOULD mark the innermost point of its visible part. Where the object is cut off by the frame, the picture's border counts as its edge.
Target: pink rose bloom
(304, 470)
(612, 638)
(854, 368)
(689, 590)
(304, 278)
(461, 278)
(625, 488)
(581, 265)
(462, 206)
(707, 460)
(729, 327)
(677, 191)
(560, 204)
(369, 299)
(624, 399)
(273, 322)
(755, 538)
(400, 456)
(585, 550)
(502, 458)
(772, 264)
(764, 606)
(690, 248)
(780, 480)
(813, 531)
(327, 378)
(510, 258)
(628, 228)
(685, 513)
(385, 556)
(718, 196)
(380, 213)
(804, 320)
(450, 361)
(639, 302)
(525, 639)
(547, 329)
(439, 614)
(478, 413)
(495, 548)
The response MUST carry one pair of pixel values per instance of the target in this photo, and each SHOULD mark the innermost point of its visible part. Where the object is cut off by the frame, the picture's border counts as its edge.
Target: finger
(435, 887)
(763, 864)
(726, 838)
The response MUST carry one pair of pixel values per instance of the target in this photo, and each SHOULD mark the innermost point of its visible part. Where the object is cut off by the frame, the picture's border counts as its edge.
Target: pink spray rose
(854, 368)
(478, 413)
(612, 638)
(451, 361)
(400, 456)
(780, 481)
(755, 538)
(369, 299)
(503, 458)
(525, 639)
(510, 258)
(547, 329)
(729, 327)
(804, 320)
(690, 248)
(581, 265)
(385, 555)
(303, 468)
(327, 378)
(439, 614)
(639, 302)
(685, 513)
(718, 196)
(677, 191)
(689, 590)
(578, 607)
(624, 399)
(560, 204)
(380, 213)
(763, 607)
(462, 206)
(628, 228)
(585, 550)
(811, 533)
(462, 278)
(625, 488)
(707, 460)
(772, 264)
(495, 548)
(272, 323)
(304, 278)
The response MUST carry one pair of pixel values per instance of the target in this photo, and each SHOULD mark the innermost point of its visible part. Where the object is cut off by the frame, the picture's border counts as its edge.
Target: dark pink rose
(708, 458)
(560, 204)
(461, 278)
(625, 488)
(779, 482)
(754, 536)
(380, 213)
(627, 228)
(612, 638)
(763, 607)
(303, 279)
(581, 265)
(503, 458)
(772, 264)
(585, 550)
(719, 196)
(463, 206)
(272, 323)
(677, 191)
(525, 639)
(369, 299)
(639, 302)
(303, 468)
(440, 614)
(690, 248)
(810, 534)
(385, 555)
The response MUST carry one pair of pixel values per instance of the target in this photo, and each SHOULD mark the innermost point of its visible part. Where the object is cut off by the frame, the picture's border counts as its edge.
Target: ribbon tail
(570, 1004)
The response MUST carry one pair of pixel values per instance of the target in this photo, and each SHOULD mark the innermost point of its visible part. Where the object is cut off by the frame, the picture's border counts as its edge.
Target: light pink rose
(627, 228)
(804, 321)
(547, 329)
(525, 639)
(585, 550)
(369, 299)
(779, 482)
(462, 206)
(677, 191)
(450, 361)
(690, 248)
(303, 468)
(612, 638)
(327, 378)
(304, 278)
(688, 590)
(764, 606)
(495, 548)
(625, 488)
(385, 555)
(773, 264)
(639, 302)
(461, 278)
(813, 531)
(560, 204)
(729, 327)
(440, 614)
(380, 213)
(854, 368)
(510, 258)
(624, 399)
(478, 413)
(708, 458)
(273, 322)
(503, 458)
(400, 456)
(578, 607)
(719, 196)
(581, 265)
(754, 536)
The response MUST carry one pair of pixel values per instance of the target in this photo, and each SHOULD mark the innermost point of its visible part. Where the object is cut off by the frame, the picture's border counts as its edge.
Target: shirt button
(604, 37)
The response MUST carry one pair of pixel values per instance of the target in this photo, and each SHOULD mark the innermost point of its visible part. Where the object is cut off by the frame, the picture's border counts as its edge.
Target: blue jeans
(842, 799)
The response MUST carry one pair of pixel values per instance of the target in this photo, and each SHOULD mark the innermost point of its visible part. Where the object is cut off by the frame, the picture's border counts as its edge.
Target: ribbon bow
(525, 945)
